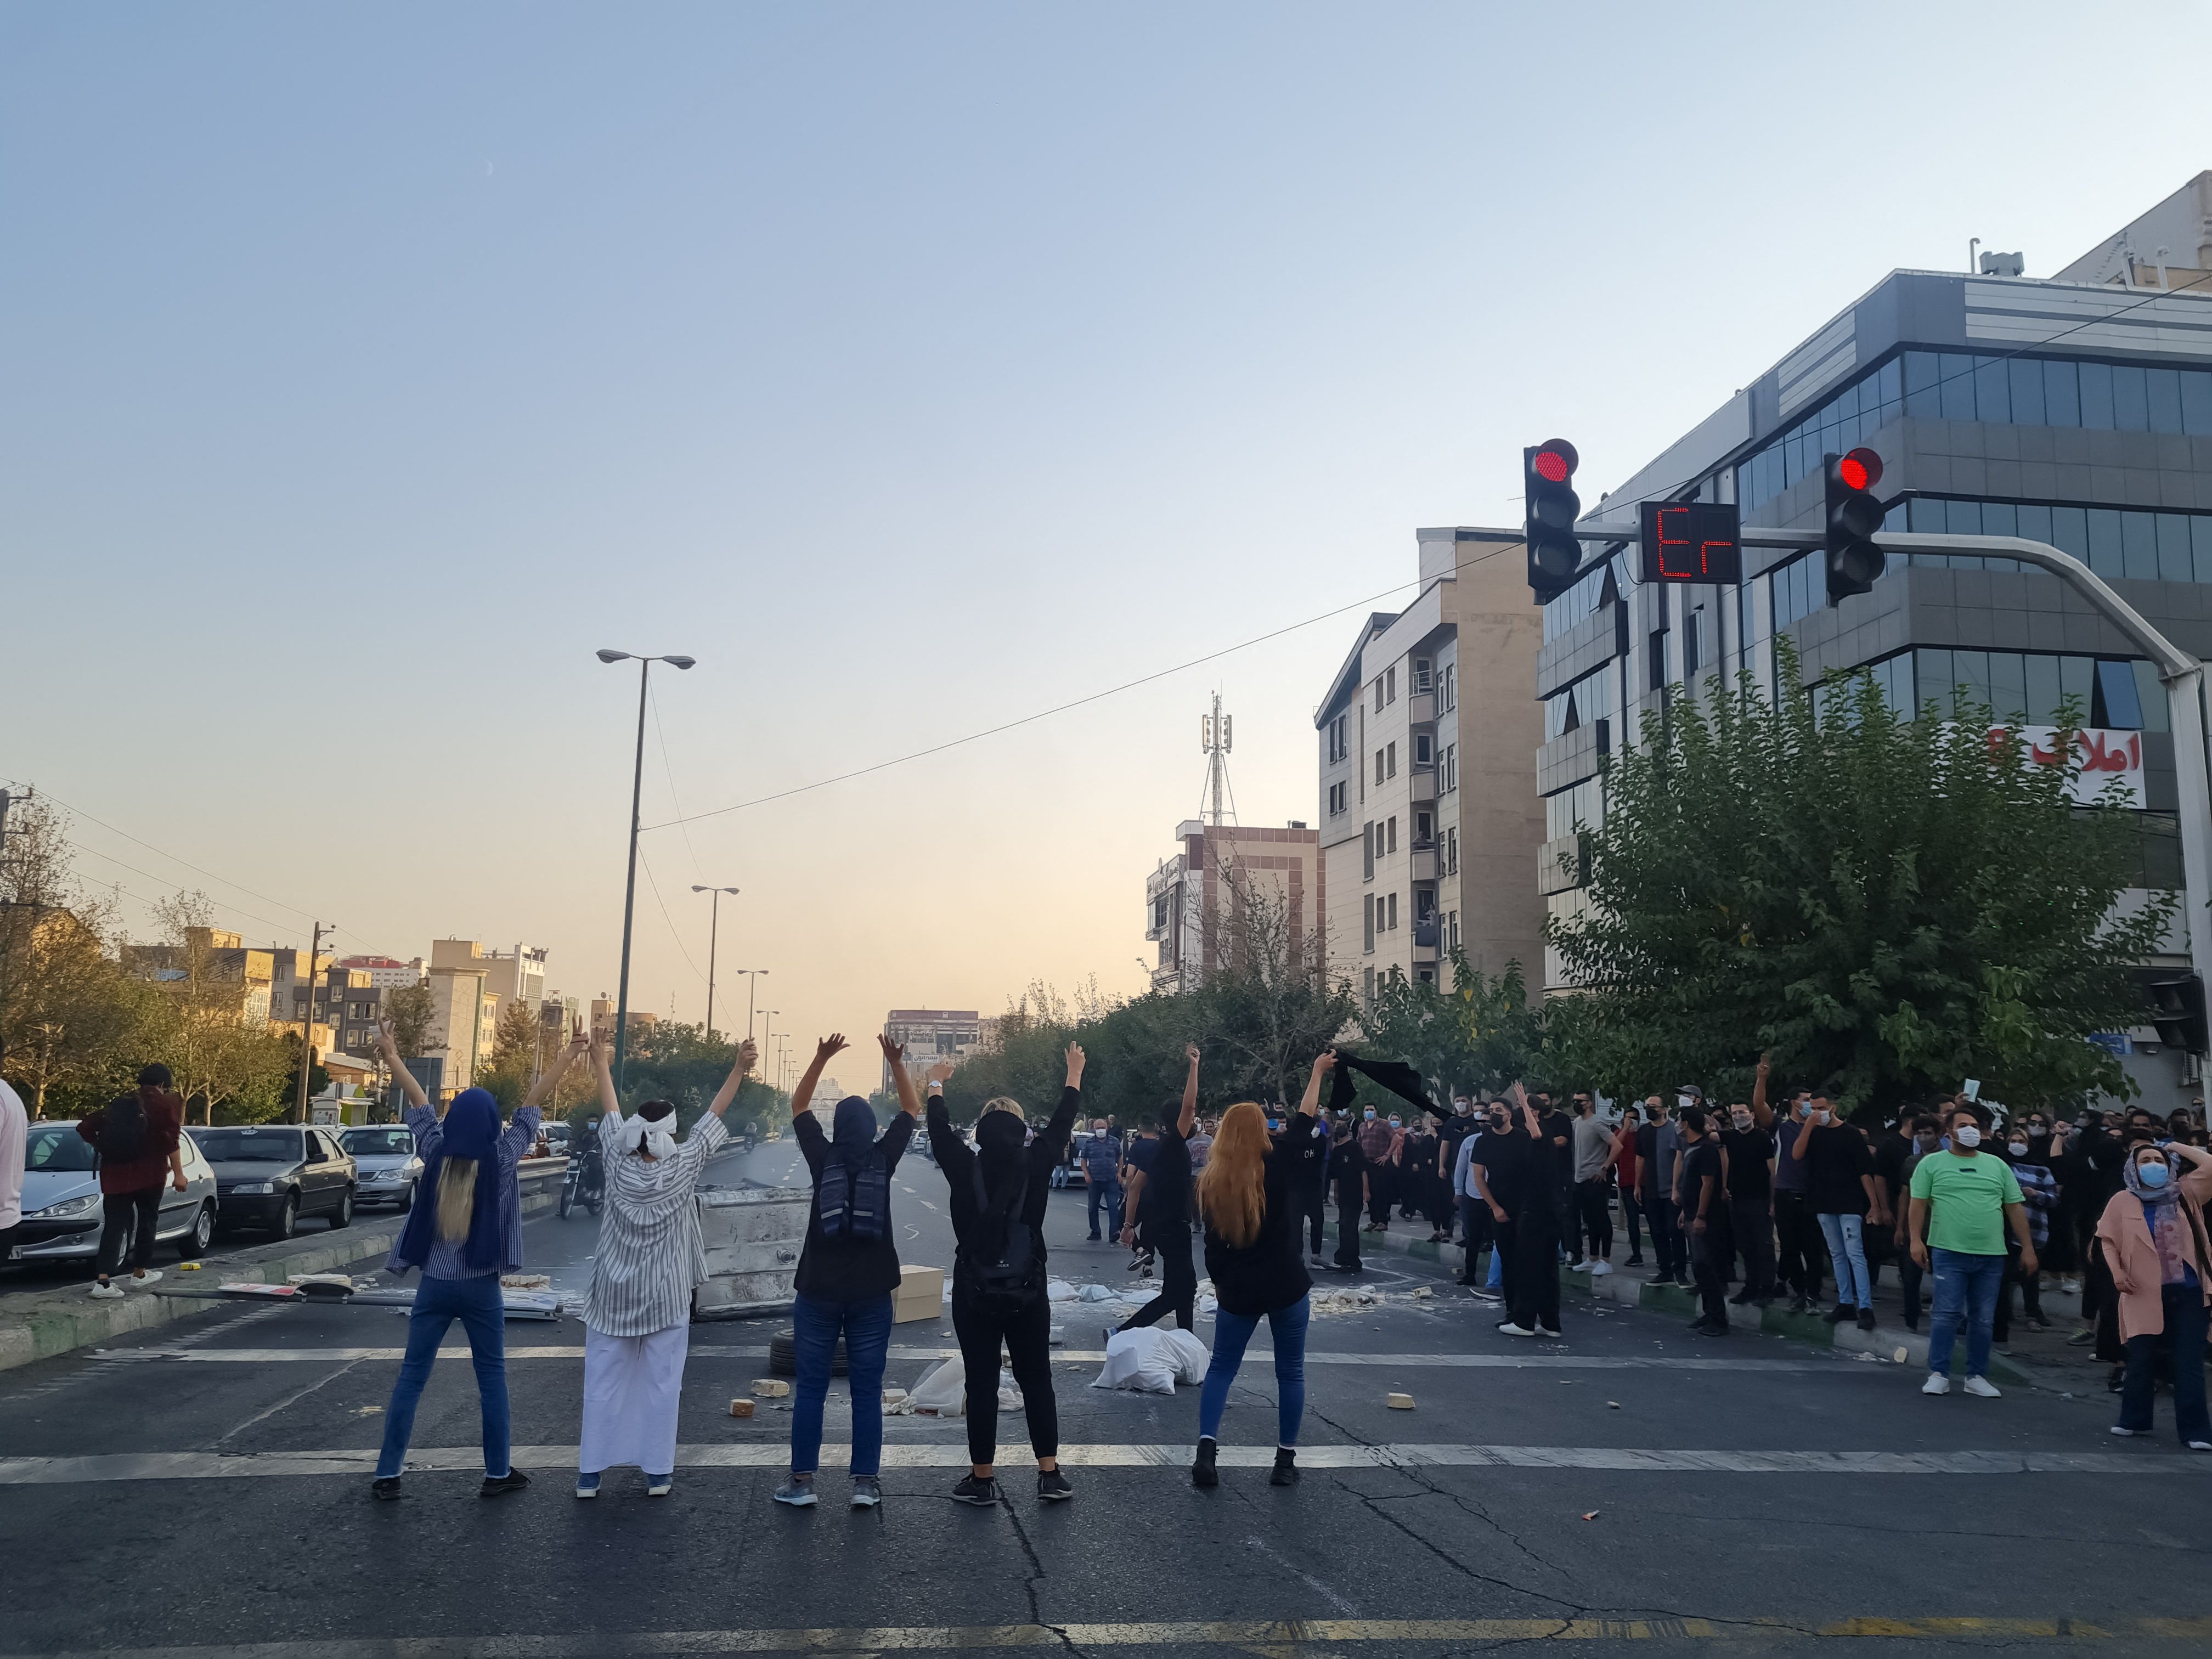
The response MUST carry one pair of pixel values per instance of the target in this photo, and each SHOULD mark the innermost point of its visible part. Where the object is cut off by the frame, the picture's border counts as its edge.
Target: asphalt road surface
(204, 1489)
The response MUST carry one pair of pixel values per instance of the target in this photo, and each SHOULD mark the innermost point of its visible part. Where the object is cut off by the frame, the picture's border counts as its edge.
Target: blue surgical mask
(2151, 1174)
(1395, 1124)
(1370, 1115)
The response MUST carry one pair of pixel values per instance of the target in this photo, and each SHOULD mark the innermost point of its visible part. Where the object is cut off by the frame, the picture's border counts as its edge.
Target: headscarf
(999, 1137)
(470, 1128)
(852, 1128)
(2130, 1172)
(650, 1129)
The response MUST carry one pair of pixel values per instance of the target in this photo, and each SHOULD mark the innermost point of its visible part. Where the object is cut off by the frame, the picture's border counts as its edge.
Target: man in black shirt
(1841, 1188)
(1308, 1137)
(1165, 1189)
(1748, 1148)
(1699, 1183)
(1347, 1173)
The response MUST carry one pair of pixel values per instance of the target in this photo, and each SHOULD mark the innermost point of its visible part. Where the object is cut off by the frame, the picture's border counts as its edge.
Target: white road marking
(776, 1454)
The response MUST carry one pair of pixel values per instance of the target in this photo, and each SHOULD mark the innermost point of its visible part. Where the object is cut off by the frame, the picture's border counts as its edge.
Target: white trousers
(631, 1386)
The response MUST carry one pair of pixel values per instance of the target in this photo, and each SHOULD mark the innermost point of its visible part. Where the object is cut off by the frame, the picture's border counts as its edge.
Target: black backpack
(125, 1133)
(1006, 1255)
(854, 1203)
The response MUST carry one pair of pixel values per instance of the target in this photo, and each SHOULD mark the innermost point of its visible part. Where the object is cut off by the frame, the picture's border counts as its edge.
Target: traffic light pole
(2182, 674)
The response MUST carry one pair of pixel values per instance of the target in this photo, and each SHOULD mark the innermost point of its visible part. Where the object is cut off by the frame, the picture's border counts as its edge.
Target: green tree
(413, 1013)
(1898, 905)
(518, 1051)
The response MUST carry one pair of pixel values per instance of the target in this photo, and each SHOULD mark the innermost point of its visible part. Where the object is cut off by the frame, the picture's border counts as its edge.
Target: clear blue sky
(914, 368)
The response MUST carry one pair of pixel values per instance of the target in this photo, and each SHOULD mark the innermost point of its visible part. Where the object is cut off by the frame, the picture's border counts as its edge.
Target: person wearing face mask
(1964, 1203)
(1167, 1189)
(1347, 1174)
(1846, 1199)
(1473, 1214)
(1377, 1141)
(2039, 1191)
(1626, 1170)
(1657, 1147)
(1748, 1145)
(1701, 1186)
(1594, 1153)
(1500, 1169)
(1796, 1234)
(1924, 1135)
(2155, 1243)
(1456, 1130)
(1532, 1273)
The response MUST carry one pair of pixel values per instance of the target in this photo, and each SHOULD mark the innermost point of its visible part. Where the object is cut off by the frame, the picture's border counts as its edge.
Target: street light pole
(636, 798)
(752, 985)
(714, 933)
(307, 1023)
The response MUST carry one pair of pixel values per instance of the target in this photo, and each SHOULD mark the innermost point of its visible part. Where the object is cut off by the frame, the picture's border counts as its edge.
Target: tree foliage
(1473, 1038)
(673, 1061)
(1895, 904)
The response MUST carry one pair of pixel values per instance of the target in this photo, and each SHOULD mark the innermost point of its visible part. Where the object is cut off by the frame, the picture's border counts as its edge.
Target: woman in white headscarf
(648, 1260)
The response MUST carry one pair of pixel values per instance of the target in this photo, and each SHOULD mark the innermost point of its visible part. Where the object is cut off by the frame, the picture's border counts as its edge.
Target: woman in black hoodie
(997, 1192)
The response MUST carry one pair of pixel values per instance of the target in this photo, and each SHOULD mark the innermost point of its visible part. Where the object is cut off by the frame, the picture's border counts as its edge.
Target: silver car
(61, 1199)
(384, 1156)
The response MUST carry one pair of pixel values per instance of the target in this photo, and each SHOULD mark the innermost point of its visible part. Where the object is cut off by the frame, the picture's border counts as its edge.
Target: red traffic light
(1556, 461)
(1860, 470)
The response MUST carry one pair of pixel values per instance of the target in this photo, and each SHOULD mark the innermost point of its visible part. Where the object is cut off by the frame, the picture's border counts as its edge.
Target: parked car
(271, 1175)
(555, 1139)
(385, 1162)
(61, 1199)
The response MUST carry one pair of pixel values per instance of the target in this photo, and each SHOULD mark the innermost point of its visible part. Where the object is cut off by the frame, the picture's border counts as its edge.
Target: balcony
(1422, 785)
(1421, 708)
(1426, 864)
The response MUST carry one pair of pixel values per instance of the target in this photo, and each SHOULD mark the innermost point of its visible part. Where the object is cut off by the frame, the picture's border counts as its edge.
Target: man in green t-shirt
(1963, 1200)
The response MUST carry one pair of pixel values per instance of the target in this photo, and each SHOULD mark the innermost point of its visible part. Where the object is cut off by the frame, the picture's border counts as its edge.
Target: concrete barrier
(43, 1323)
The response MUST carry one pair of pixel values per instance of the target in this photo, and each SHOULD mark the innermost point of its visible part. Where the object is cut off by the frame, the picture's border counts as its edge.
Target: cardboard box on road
(920, 1295)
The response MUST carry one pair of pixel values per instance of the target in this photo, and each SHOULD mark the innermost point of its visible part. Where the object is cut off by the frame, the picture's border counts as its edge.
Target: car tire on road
(783, 1356)
(288, 1219)
(342, 1216)
(196, 1239)
(407, 1198)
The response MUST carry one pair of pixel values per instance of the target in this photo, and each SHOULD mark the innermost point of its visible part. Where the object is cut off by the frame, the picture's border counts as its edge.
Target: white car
(61, 1199)
(389, 1171)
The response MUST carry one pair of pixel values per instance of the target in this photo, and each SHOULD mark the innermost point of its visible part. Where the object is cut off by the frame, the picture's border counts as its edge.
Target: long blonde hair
(457, 1198)
(1232, 1189)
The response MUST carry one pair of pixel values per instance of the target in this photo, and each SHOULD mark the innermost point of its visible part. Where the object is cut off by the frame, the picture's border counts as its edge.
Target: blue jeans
(2184, 1307)
(1847, 1250)
(438, 1302)
(1109, 1193)
(1966, 1287)
(815, 1326)
(1230, 1332)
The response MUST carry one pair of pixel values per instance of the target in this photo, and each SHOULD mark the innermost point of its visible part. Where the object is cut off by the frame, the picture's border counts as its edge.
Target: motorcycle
(584, 1182)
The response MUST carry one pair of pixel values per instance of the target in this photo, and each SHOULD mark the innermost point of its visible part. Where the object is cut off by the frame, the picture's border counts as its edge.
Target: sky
(916, 368)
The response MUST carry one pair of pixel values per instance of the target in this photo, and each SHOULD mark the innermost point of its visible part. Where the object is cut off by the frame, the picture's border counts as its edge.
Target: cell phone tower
(1214, 734)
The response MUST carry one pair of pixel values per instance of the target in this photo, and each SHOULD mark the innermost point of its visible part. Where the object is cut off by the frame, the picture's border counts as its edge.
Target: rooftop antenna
(1213, 737)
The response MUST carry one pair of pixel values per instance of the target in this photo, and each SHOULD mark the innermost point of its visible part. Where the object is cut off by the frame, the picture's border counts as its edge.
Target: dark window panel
(2162, 388)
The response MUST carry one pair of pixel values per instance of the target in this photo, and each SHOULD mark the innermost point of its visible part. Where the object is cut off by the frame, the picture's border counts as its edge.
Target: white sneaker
(2200, 1445)
(2127, 1434)
(108, 1292)
(1600, 1267)
(1512, 1330)
(1547, 1331)
(139, 1281)
(1980, 1387)
(1936, 1383)
(2069, 1287)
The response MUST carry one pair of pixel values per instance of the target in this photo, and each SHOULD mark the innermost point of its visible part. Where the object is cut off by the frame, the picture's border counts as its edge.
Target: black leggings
(118, 1211)
(1026, 1336)
(1347, 1222)
(1178, 1285)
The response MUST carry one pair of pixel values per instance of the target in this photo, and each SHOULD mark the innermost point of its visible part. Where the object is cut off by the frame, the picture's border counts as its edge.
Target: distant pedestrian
(848, 1269)
(1100, 1154)
(464, 1231)
(997, 1192)
(2039, 1191)
(1532, 1267)
(1964, 1201)
(14, 1146)
(1798, 1245)
(1702, 1198)
(1846, 1199)
(1310, 1148)
(1474, 1225)
(2155, 1244)
(1252, 1256)
(1657, 1146)
(1139, 1148)
(1169, 1186)
(648, 1260)
(140, 1139)
(1627, 1171)
(1594, 1153)
(1347, 1177)
(1926, 1138)
(1376, 1145)
(1200, 1142)
(1747, 1145)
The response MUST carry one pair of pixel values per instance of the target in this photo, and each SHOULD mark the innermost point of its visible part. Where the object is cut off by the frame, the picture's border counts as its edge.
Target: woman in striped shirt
(648, 1260)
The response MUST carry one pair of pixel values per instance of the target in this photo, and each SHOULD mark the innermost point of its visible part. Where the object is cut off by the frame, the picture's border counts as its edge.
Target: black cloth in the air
(1400, 1079)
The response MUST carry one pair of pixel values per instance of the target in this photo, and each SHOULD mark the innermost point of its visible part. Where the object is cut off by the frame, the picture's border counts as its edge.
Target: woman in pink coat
(2161, 1265)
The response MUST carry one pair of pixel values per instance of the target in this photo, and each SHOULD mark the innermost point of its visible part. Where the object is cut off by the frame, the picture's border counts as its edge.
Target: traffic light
(1854, 515)
(2177, 1007)
(1548, 492)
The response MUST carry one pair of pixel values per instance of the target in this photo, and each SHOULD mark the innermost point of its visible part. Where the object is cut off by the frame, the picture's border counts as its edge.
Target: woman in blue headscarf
(847, 1274)
(463, 1232)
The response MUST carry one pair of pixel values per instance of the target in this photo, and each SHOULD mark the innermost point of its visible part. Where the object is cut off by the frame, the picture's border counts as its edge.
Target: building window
(1449, 781)
(1339, 798)
(1367, 909)
(1369, 989)
(1424, 828)
(1390, 684)
(2119, 543)
(1579, 808)
(1426, 975)
(1451, 852)
(1391, 750)
(1393, 901)
(1421, 675)
(1575, 706)
(1423, 749)
(1378, 768)
(1378, 694)
(1452, 686)
(2107, 692)
(1340, 738)
(1454, 930)
(1799, 588)
(1693, 641)
(1593, 590)
(1367, 850)
(1390, 834)
(1654, 653)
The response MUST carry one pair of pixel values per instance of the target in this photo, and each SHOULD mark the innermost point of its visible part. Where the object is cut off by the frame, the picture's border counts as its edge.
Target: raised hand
(1325, 1061)
(939, 1072)
(1190, 1052)
(893, 1052)
(834, 1044)
(748, 1054)
(1074, 1064)
(387, 1044)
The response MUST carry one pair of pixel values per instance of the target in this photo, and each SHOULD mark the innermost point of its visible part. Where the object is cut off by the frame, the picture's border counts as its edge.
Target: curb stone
(41, 1324)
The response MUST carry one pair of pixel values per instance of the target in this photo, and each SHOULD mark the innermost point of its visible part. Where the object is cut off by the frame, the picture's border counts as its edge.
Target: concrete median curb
(1632, 1290)
(44, 1324)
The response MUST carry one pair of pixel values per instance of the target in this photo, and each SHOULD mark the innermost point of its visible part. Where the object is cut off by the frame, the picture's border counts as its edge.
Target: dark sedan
(272, 1175)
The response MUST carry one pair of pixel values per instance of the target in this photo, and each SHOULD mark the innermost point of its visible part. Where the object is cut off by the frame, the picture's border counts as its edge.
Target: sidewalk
(2039, 1357)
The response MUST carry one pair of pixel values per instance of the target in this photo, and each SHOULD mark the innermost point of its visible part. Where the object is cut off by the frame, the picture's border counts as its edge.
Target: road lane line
(772, 1454)
(1285, 1636)
(1502, 1362)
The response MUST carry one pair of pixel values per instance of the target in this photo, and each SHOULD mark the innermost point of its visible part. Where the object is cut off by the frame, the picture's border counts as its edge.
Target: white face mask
(1684, 1101)
(1821, 1114)
(1967, 1136)
(1742, 1120)
(2018, 1149)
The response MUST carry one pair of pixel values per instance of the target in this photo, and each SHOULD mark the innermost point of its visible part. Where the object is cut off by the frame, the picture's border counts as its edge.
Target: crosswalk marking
(1269, 1637)
(771, 1454)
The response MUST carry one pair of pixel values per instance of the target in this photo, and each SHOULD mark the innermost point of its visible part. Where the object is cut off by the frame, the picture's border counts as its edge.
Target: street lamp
(768, 1031)
(752, 985)
(636, 794)
(713, 930)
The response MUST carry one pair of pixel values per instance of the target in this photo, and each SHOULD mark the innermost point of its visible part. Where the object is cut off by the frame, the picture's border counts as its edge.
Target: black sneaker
(1743, 1298)
(982, 1490)
(1839, 1313)
(1636, 1262)
(1051, 1487)
(386, 1486)
(1866, 1319)
(513, 1480)
(1285, 1472)
(1202, 1472)
(1709, 1328)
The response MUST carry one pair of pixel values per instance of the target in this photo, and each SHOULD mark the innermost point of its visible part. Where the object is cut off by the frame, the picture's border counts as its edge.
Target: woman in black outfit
(998, 1269)
(1347, 1173)
(1252, 1253)
(1165, 1189)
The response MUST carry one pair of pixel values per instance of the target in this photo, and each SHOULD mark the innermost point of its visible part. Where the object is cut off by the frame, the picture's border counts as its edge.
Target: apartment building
(933, 1033)
(1192, 897)
(1430, 818)
(510, 975)
(216, 959)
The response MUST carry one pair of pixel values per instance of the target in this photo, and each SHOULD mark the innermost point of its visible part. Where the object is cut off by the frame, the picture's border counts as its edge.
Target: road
(204, 1486)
